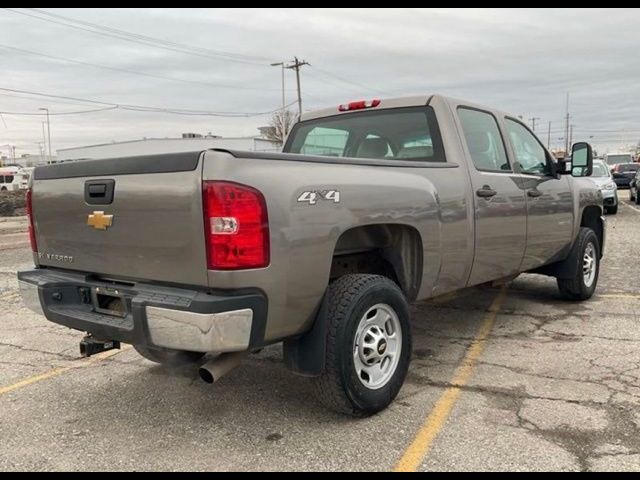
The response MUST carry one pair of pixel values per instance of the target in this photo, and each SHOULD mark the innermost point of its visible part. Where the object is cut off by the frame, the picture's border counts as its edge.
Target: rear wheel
(631, 196)
(168, 357)
(612, 210)
(368, 346)
(637, 198)
(585, 255)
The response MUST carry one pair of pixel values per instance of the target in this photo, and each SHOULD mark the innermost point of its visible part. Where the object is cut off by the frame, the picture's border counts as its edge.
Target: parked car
(603, 178)
(623, 173)
(612, 159)
(633, 189)
(222, 252)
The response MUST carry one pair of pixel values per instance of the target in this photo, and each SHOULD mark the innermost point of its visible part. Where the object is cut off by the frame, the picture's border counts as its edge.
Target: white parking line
(632, 207)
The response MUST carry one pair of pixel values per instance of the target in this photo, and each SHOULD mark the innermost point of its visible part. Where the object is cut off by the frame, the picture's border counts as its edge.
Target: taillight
(236, 226)
(32, 230)
(360, 105)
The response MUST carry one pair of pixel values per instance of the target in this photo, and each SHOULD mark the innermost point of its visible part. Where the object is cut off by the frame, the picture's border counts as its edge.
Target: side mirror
(581, 160)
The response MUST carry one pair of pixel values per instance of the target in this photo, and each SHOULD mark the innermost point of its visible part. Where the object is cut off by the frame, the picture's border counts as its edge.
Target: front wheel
(585, 255)
(612, 210)
(168, 357)
(368, 347)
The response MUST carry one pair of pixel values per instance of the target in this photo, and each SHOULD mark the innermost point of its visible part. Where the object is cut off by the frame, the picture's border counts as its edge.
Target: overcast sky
(522, 61)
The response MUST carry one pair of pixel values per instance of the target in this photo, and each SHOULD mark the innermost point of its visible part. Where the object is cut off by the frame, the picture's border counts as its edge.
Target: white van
(13, 179)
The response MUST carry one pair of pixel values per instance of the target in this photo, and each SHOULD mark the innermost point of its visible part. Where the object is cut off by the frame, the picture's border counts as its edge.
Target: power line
(118, 69)
(137, 38)
(145, 108)
(34, 114)
(344, 80)
(147, 38)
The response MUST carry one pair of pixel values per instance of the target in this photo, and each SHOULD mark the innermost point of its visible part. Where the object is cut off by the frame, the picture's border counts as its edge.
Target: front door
(549, 199)
(499, 199)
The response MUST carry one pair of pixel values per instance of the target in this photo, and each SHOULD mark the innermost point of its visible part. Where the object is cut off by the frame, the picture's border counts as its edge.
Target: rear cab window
(408, 134)
(484, 140)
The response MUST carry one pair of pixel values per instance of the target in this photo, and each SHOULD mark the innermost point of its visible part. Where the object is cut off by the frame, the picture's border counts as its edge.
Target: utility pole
(296, 65)
(533, 122)
(48, 132)
(283, 123)
(571, 135)
(549, 137)
(566, 129)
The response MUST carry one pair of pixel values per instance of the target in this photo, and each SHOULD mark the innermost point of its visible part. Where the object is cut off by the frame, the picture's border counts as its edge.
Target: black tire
(345, 304)
(637, 198)
(169, 357)
(612, 210)
(631, 197)
(576, 288)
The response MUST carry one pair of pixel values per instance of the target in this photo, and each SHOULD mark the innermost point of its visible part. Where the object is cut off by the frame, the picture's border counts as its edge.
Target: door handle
(534, 193)
(486, 192)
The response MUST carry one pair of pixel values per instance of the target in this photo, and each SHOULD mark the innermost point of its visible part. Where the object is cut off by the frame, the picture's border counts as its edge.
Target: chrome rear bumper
(156, 316)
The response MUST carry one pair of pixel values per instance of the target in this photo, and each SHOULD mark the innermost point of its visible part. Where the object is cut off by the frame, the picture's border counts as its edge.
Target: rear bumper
(156, 315)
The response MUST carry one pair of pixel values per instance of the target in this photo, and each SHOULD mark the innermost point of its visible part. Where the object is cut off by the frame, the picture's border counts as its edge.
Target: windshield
(394, 134)
(613, 159)
(600, 170)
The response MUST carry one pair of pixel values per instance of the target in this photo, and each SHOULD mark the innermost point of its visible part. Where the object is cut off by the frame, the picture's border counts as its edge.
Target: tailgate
(151, 228)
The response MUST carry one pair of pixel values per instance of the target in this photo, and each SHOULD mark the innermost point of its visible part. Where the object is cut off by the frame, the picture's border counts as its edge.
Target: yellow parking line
(618, 295)
(419, 448)
(59, 371)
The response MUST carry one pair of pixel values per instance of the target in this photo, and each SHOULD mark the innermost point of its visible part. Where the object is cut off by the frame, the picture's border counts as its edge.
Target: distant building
(188, 142)
(27, 160)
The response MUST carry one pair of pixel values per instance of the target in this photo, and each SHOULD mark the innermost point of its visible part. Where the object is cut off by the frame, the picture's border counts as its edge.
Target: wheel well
(394, 251)
(591, 218)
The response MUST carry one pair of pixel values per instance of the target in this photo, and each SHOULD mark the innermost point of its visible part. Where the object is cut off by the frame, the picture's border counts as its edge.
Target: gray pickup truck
(372, 205)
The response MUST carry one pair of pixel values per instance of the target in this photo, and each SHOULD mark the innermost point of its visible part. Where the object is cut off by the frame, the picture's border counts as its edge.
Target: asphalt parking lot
(505, 378)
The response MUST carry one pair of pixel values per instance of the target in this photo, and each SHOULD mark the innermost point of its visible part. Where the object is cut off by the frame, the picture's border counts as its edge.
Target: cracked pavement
(557, 388)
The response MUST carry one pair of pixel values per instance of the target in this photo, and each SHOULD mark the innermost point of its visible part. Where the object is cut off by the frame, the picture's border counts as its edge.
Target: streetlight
(48, 131)
(282, 120)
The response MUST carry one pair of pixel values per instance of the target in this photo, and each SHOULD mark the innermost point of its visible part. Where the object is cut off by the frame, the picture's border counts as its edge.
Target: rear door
(499, 202)
(138, 217)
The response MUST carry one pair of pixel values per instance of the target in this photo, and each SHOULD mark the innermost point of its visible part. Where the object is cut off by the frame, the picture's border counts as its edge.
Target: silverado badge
(99, 220)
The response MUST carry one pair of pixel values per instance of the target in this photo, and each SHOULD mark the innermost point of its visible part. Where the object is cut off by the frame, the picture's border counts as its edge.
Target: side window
(1, 179)
(8, 179)
(325, 141)
(531, 156)
(484, 140)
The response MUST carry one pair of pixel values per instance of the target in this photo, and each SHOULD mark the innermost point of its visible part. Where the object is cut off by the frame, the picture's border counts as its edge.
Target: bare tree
(279, 126)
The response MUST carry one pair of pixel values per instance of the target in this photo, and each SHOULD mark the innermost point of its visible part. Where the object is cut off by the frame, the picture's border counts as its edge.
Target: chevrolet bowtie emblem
(99, 220)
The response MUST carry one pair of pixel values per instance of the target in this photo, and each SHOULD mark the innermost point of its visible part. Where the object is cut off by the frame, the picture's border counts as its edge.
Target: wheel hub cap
(589, 265)
(377, 346)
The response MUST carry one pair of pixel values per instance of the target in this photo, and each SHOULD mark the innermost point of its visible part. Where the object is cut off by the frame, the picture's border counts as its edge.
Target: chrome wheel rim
(377, 346)
(589, 265)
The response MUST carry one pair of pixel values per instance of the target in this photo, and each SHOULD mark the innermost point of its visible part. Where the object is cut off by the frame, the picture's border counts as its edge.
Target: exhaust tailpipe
(215, 369)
